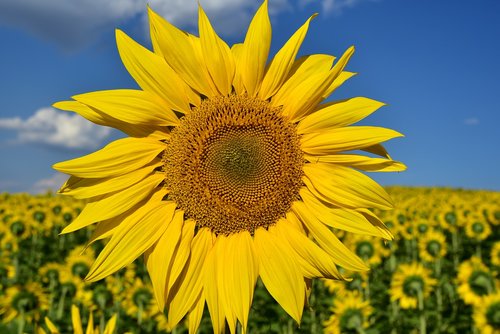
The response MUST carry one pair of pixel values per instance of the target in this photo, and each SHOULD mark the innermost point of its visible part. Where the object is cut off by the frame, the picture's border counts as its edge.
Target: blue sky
(435, 63)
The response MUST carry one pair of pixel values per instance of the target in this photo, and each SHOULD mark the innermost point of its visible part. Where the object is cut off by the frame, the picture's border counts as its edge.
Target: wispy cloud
(70, 24)
(52, 183)
(335, 6)
(471, 121)
(56, 128)
(73, 24)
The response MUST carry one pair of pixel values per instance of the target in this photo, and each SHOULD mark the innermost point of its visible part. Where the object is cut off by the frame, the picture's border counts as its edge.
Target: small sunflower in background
(477, 228)
(493, 213)
(49, 273)
(432, 246)
(139, 301)
(487, 314)
(79, 261)
(358, 282)
(7, 272)
(19, 227)
(448, 219)
(230, 159)
(24, 301)
(368, 248)
(495, 254)
(475, 281)
(422, 226)
(76, 319)
(408, 282)
(350, 314)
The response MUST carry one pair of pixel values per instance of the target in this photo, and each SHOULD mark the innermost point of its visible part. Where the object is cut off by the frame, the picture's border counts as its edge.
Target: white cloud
(334, 6)
(69, 23)
(56, 128)
(73, 24)
(52, 183)
(471, 121)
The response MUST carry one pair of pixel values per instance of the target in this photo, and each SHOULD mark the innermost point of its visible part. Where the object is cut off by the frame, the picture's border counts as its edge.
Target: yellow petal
(360, 162)
(314, 261)
(159, 257)
(195, 314)
(86, 188)
(340, 218)
(255, 50)
(181, 255)
(177, 49)
(327, 240)
(213, 297)
(304, 96)
(223, 270)
(339, 81)
(90, 324)
(97, 117)
(117, 158)
(110, 326)
(237, 51)
(242, 270)
(345, 139)
(280, 273)
(338, 114)
(76, 320)
(303, 69)
(106, 228)
(190, 284)
(132, 238)
(282, 63)
(115, 204)
(50, 325)
(218, 58)
(375, 221)
(152, 73)
(345, 187)
(131, 106)
(377, 149)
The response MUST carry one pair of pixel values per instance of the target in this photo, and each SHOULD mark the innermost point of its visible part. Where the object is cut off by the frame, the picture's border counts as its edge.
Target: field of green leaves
(440, 274)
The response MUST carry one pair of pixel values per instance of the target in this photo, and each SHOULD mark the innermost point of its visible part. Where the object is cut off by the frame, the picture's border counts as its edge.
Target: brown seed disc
(234, 163)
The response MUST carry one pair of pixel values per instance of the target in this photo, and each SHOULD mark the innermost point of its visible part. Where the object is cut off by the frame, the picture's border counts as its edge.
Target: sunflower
(487, 314)
(495, 254)
(77, 324)
(475, 280)
(408, 281)
(139, 301)
(23, 301)
(477, 228)
(79, 261)
(432, 246)
(369, 248)
(229, 165)
(350, 314)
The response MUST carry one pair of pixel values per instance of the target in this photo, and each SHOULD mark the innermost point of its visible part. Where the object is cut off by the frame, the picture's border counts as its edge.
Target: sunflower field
(440, 274)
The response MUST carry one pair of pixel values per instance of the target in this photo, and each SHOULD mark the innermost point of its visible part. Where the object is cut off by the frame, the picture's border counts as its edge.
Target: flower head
(234, 169)
(409, 282)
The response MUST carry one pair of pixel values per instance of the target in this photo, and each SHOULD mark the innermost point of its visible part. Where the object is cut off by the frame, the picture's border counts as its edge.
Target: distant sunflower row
(439, 274)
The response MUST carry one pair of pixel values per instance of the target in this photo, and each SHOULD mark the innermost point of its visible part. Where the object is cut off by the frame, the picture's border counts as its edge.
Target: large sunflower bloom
(230, 165)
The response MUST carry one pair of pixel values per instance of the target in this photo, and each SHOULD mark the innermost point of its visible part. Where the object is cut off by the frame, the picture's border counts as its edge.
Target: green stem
(22, 322)
(139, 314)
(60, 306)
(423, 322)
(394, 316)
(454, 246)
(478, 250)
(367, 289)
(439, 297)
